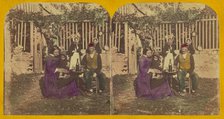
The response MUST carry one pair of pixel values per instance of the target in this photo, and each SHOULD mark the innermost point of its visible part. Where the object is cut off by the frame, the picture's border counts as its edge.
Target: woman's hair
(52, 49)
(145, 50)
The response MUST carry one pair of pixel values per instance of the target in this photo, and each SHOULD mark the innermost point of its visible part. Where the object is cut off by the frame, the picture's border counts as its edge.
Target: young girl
(63, 65)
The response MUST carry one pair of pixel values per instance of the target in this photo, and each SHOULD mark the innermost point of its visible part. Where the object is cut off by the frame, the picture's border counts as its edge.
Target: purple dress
(142, 82)
(51, 88)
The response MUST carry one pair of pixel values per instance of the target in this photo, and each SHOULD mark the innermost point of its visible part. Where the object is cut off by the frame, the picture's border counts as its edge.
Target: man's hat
(91, 45)
(184, 45)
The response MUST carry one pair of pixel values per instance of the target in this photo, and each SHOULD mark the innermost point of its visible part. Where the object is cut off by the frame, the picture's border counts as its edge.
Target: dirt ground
(25, 98)
(204, 102)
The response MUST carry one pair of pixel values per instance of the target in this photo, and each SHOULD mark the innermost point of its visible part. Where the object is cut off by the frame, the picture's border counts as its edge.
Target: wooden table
(79, 80)
(169, 75)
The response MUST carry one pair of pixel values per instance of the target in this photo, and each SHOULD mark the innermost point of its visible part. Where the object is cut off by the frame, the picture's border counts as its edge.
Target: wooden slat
(163, 34)
(183, 31)
(66, 31)
(24, 47)
(213, 34)
(100, 36)
(160, 38)
(177, 37)
(93, 33)
(83, 38)
(203, 35)
(15, 31)
(209, 29)
(73, 30)
(157, 36)
(103, 34)
(107, 34)
(18, 34)
(96, 28)
(60, 38)
(112, 39)
(179, 32)
(115, 38)
(126, 38)
(170, 29)
(199, 33)
(21, 34)
(64, 37)
(76, 28)
(31, 38)
(41, 53)
(196, 34)
(34, 49)
(193, 37)
(189, 31)
(68, 35)
(86, 38)
(206, 34)
(167, 29)
(119, 37)
(217, 34)
(90, 39)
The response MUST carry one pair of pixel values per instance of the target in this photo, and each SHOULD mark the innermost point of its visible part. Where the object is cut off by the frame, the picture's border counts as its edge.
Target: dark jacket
(191, 49)
(73, 47)
(166, 48)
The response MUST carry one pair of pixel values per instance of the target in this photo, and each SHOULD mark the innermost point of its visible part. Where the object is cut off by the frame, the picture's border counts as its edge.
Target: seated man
(185, 62)
(93, 65)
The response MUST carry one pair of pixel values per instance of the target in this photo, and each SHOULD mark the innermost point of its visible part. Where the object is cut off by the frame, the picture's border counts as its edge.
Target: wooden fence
(27, 36)
(21, 34)
(203, 32)
(89, 30)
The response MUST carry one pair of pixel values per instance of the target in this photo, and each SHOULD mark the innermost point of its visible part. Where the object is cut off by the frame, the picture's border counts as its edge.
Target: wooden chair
(188, 84)
(95, 84)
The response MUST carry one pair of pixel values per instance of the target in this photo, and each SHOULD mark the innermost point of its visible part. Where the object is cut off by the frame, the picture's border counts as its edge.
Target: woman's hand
(151, 71)
(154, 71)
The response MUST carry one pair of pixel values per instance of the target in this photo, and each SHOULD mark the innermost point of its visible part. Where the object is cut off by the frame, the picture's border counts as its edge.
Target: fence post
(31, 38)
(126, 38)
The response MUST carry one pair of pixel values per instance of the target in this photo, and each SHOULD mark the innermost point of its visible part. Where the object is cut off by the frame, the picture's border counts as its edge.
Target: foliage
(165, 12)
(145, 25)
(51, 24)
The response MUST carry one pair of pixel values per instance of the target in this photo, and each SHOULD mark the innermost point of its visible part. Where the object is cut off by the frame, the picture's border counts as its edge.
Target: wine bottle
(170, 66)
(77, 65)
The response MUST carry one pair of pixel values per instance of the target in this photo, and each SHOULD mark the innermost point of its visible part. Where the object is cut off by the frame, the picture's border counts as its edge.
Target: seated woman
(143, 80)
(50, 87)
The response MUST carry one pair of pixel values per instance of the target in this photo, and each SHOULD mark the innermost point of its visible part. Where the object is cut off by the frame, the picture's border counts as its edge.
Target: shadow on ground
(203, 102)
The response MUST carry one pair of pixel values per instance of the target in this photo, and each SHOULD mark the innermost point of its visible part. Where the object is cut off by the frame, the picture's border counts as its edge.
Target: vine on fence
(50, 25)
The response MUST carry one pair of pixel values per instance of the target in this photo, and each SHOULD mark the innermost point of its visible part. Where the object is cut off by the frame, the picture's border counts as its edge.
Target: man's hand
(187, 75)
